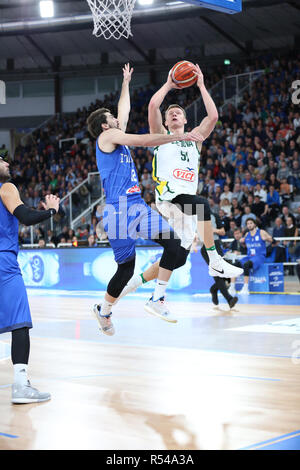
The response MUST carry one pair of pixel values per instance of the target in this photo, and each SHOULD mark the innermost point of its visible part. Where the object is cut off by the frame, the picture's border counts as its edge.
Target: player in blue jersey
(255, 240)
(126, 216)
(14, 308)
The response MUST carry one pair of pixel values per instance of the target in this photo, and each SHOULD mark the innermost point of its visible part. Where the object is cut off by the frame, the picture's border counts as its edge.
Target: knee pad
(181, 257)
(247, 267)
(169, 256)
(191, 205)
(119, 280)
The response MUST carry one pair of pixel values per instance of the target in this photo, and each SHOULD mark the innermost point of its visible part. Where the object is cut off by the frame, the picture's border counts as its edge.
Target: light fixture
(46, 9)
(145, 2)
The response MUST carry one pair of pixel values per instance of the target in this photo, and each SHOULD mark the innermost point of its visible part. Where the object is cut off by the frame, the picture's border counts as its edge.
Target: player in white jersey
(175, 169)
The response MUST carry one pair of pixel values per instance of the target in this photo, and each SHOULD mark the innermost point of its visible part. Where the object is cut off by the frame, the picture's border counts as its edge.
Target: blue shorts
(256, 260)
(14, 307)
(129, 219)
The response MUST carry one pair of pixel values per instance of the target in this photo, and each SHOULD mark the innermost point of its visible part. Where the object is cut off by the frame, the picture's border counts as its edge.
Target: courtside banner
(92, 268)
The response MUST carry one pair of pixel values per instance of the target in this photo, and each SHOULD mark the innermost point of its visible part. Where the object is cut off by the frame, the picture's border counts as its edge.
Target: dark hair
(253, 220)
(95, 121)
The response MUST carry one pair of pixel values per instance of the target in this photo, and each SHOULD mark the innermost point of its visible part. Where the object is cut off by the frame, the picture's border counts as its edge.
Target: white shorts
(185, 226)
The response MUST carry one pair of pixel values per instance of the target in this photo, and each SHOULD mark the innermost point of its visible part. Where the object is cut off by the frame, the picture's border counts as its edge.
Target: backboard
(226, 6)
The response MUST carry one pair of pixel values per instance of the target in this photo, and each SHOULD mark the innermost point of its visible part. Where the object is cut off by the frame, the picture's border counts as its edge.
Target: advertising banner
(92, 268)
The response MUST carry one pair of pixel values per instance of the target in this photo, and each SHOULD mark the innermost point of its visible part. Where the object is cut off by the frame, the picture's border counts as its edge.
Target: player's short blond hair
(174, 106)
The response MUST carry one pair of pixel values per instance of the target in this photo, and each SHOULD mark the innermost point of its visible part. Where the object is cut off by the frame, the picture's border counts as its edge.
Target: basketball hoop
(112, 18)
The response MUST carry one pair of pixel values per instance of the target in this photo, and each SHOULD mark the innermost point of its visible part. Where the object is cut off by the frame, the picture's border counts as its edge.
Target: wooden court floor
(215, 380)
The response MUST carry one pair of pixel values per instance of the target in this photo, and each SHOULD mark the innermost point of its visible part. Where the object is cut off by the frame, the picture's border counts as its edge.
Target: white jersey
(175, 169)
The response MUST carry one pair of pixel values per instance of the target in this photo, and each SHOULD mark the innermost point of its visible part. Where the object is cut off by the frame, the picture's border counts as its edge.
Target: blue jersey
(8, 230)
(117, 172)
(256, 246)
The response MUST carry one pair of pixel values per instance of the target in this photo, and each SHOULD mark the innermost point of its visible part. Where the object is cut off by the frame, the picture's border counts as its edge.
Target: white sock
(106, 307)
(160, 289)
(212, 254)
(20, 374)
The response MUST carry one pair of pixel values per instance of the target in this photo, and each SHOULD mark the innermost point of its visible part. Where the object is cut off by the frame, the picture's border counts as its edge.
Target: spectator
(92, 241)
(291, 231)
(262, 193)
(232, 227)
(226, 206)
(248, 180)
(42, 243)
(226, 194)
(247, 215)
(280, 250)
(283, 172)
(294, 177)
(237, 246)
(285, 213)
(260, 210)
(273, 202)
(224, 219)
(285, 191)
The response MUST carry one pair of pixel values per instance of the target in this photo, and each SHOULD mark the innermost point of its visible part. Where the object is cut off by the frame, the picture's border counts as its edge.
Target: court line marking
(185, 348)
(150, 374)
(8, 435)
(274, 440)
(275, 293)
(36, 292)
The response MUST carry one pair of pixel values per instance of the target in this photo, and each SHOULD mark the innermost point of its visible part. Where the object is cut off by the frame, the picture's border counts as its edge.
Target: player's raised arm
(113, 137)
(154, 114)
(124, 101)
(11, 199)
(208, 123)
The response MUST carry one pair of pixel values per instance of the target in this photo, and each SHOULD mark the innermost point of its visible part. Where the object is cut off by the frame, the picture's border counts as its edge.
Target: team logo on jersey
(133, 189)
(186, 175)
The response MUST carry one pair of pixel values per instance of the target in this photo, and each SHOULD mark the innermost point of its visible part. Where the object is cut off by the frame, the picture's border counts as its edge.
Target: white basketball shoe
(220, 268)
(105, 323)
(159, 309)
(23, 394)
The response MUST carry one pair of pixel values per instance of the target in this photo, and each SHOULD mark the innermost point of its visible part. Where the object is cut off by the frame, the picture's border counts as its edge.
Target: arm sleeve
(28, 216)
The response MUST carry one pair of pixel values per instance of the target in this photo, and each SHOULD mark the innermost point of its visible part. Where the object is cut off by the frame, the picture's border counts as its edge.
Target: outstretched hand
(194, 135)
(170, 82)
(127, 72)
(200, 80)
(51, 202)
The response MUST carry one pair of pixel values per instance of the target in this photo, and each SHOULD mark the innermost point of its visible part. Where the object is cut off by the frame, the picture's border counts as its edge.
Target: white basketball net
(112, 18)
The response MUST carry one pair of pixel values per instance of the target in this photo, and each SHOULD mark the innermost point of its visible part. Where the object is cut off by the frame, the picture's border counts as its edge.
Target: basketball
(183, 74)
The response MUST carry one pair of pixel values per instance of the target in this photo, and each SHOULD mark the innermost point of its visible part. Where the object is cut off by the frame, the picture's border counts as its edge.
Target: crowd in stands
(250, 165)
